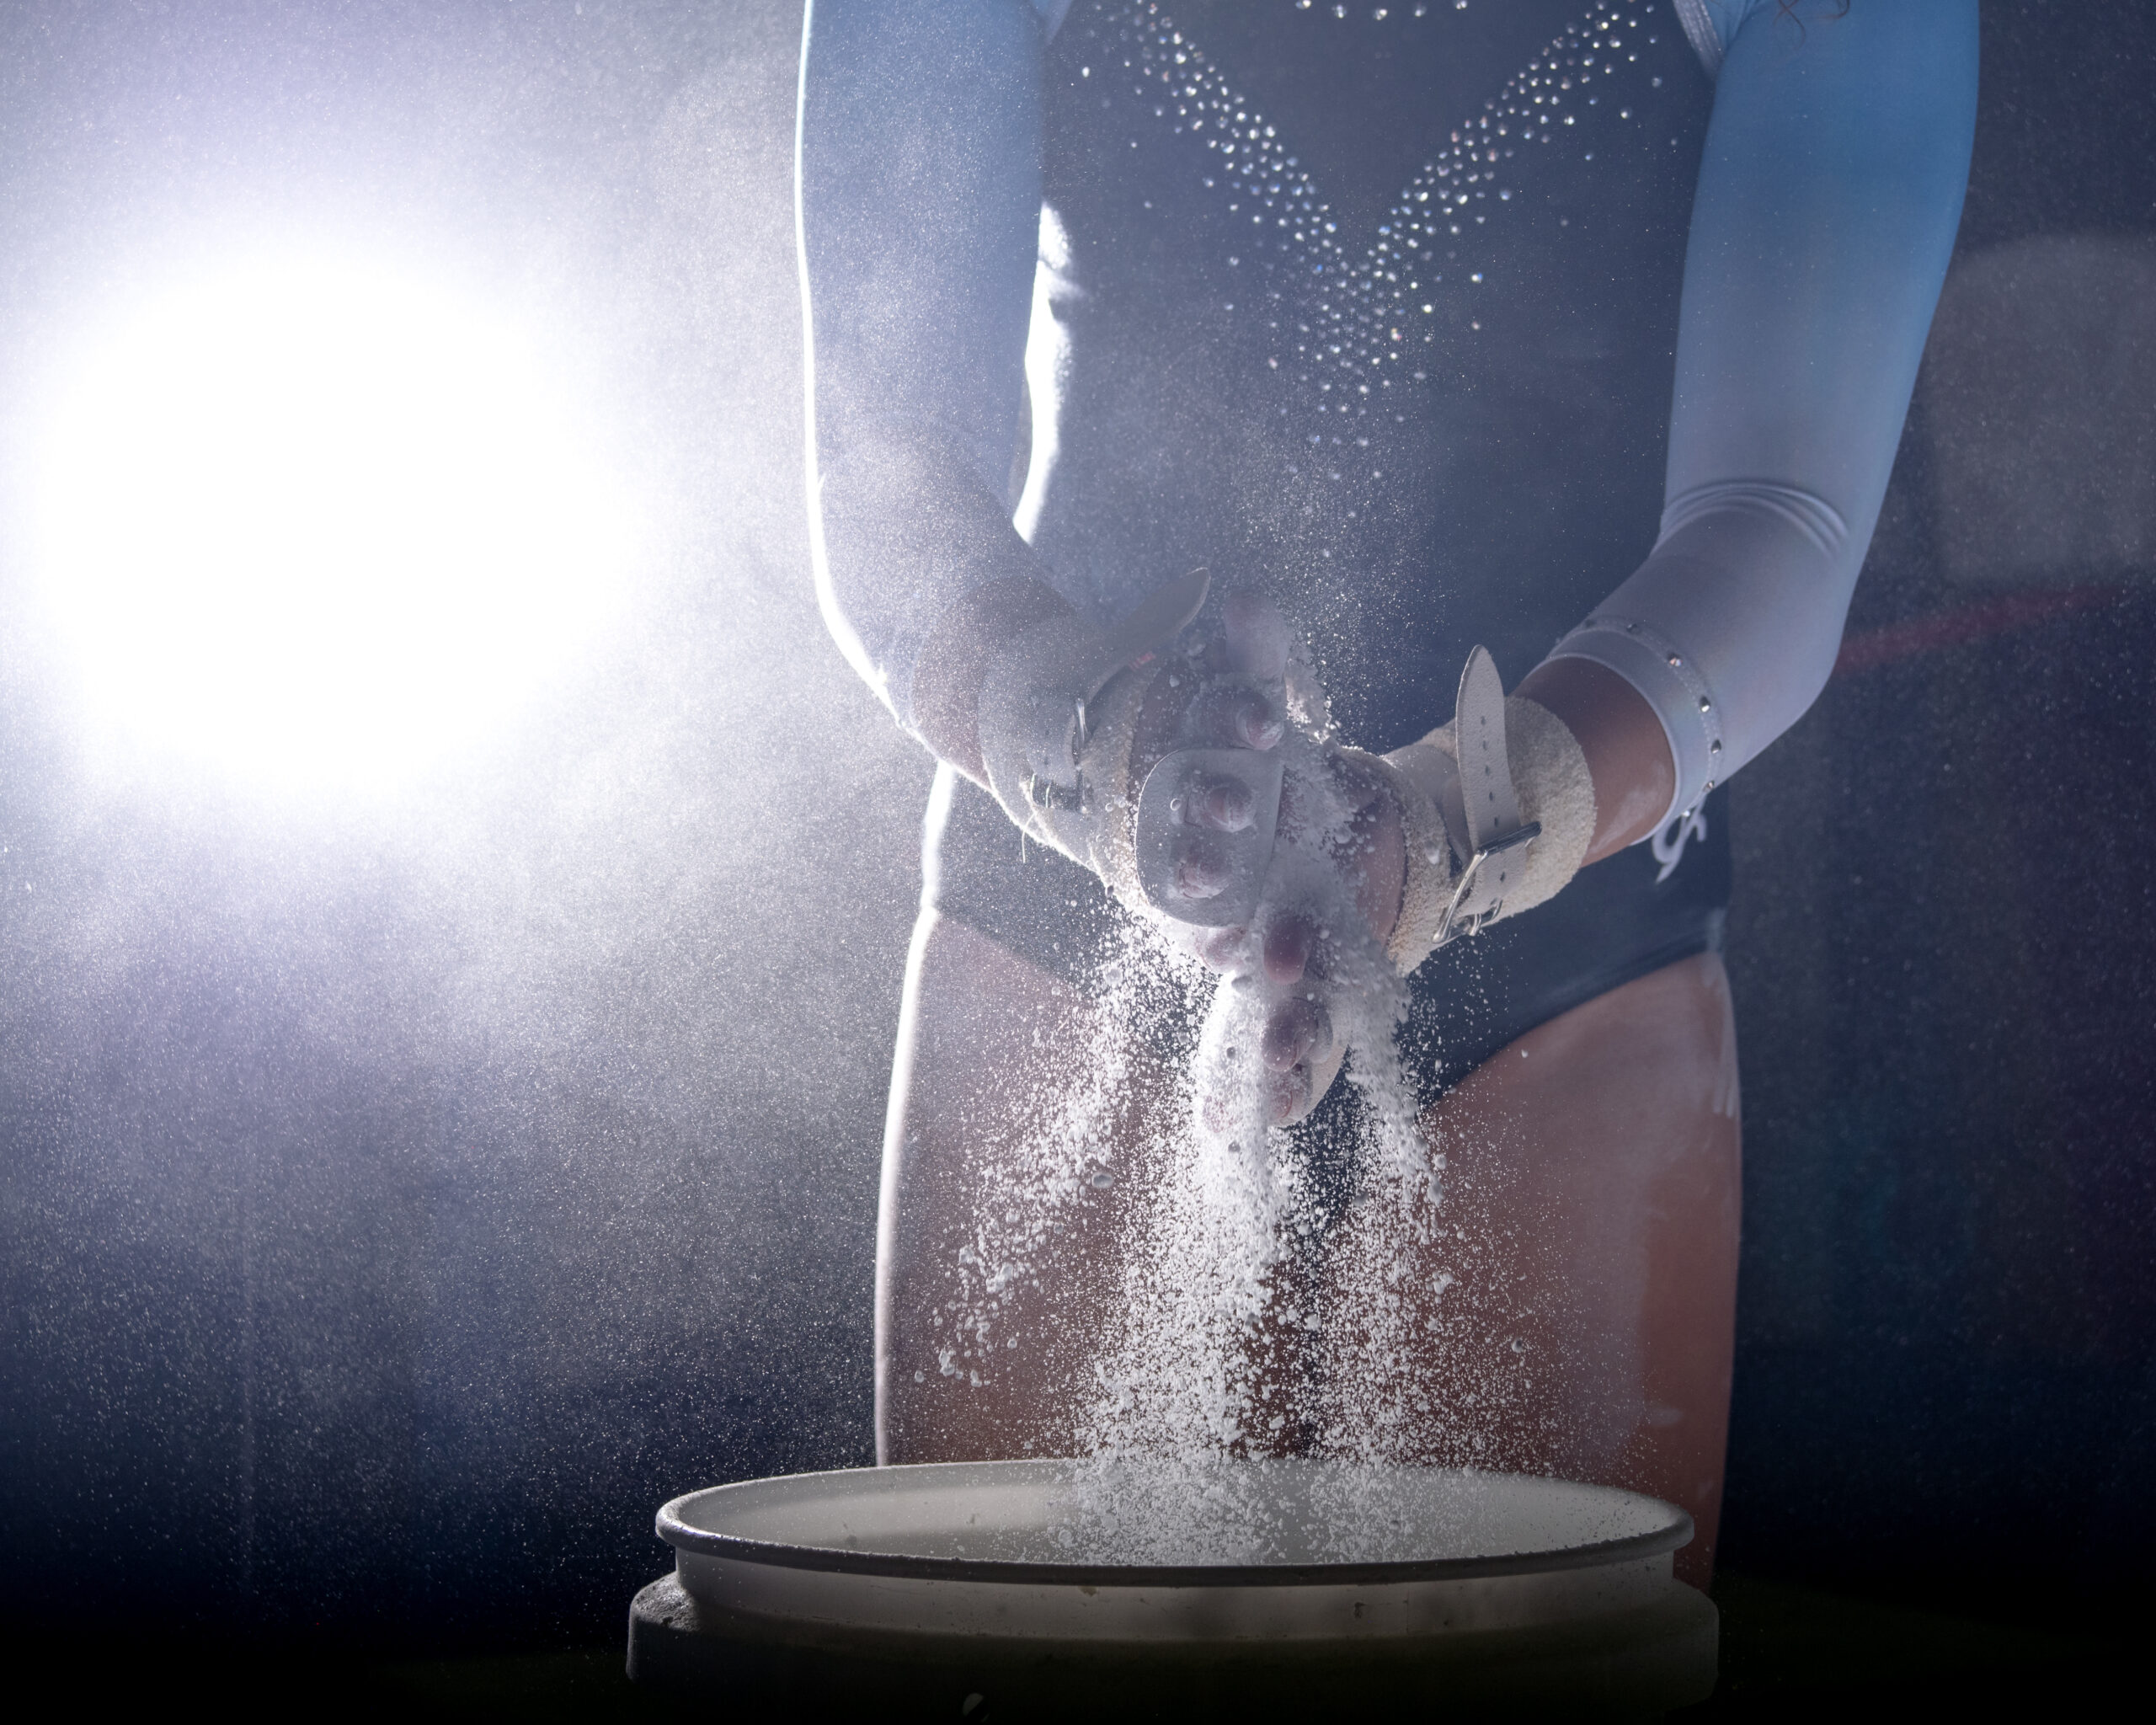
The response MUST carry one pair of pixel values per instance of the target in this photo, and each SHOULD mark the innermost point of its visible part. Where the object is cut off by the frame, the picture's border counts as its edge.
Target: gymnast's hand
(1336, 815)
(1232, 694)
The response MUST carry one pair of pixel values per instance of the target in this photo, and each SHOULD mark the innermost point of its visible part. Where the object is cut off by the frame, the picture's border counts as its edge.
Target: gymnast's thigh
(1569, 1306)
(1002, 1232)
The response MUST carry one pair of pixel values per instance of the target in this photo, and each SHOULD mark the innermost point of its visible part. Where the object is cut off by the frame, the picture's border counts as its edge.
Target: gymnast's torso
(1413, 379)
(1374, 311)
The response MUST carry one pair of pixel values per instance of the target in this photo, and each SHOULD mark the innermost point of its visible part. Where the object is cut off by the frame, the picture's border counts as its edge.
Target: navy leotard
(1431, 408)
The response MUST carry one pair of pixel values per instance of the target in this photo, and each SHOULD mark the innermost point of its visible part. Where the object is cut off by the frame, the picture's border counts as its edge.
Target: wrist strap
(1499, 810)
(1496, 838)
(1109, 733)
(1431, 867)
(1058, 709)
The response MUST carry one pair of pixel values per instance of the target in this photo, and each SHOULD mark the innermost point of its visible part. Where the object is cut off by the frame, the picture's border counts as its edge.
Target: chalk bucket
(1009, 1590)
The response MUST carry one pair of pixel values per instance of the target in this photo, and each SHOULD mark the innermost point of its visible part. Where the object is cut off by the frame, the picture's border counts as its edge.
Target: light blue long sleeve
(1827, 201)
(1825, 215)
(918, 189)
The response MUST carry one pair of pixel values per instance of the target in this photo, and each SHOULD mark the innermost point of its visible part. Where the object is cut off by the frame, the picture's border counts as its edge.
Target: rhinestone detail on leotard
(1362, 316)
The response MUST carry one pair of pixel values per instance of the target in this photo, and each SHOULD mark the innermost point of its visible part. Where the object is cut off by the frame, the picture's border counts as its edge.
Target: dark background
(396, 1206)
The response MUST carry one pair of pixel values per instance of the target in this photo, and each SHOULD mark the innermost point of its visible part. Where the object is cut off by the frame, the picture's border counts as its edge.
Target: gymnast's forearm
(918, 185)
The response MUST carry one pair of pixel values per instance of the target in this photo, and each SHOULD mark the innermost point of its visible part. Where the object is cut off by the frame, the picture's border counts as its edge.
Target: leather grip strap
(1059, 708)
(1499, 810)
(1432, 867)
(1496, 837)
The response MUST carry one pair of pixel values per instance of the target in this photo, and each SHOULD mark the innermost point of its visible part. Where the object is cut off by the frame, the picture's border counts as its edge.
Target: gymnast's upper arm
(918, 181)
(1826, 212)
(1829, 195)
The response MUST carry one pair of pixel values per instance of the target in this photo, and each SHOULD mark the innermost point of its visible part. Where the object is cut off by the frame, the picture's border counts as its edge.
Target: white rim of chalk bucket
(674, 1527)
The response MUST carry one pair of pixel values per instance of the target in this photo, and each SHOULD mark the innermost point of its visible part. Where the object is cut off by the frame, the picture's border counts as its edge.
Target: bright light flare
(318, 525)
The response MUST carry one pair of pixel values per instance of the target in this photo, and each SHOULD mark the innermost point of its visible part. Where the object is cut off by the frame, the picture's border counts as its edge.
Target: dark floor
(1788, 1649)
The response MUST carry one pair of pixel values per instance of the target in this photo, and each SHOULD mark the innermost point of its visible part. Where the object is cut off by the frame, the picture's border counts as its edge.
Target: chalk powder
(1198, 1364)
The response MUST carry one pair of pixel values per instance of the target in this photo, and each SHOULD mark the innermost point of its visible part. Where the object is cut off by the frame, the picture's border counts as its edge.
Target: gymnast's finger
(1224, 804)
(1297, 1028)
(1289, 941)
(1255, 638)
(1237, 718)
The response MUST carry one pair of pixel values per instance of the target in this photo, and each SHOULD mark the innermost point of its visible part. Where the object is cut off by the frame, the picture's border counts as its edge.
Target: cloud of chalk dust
(1152, 1252)
(498, 1144)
